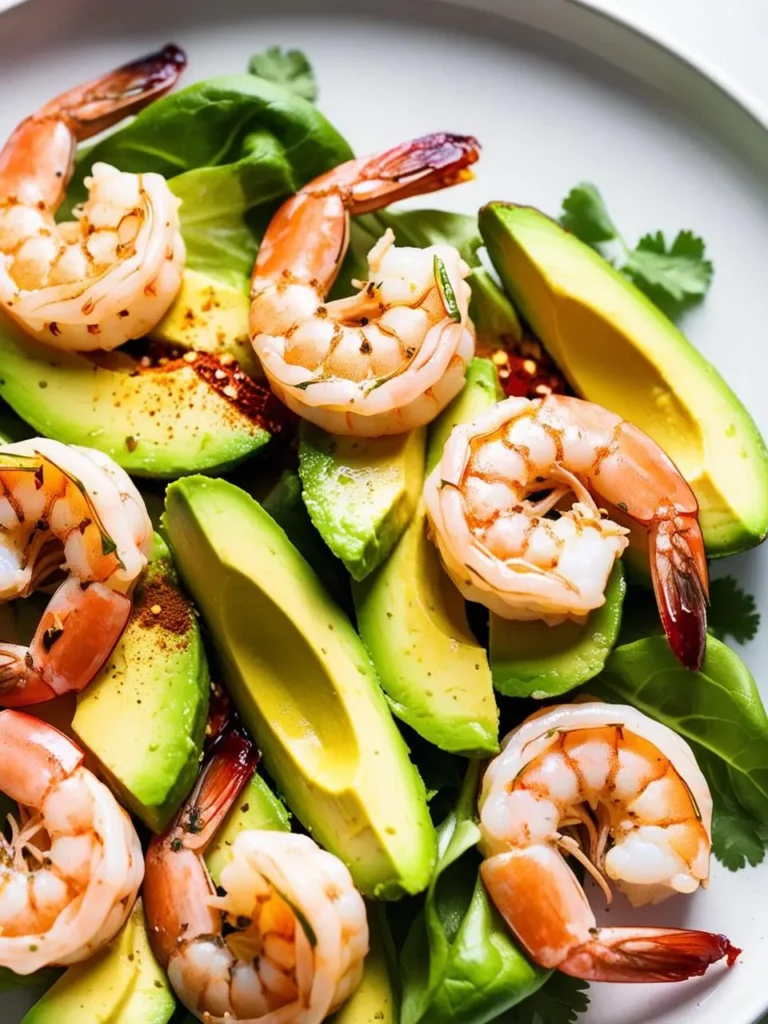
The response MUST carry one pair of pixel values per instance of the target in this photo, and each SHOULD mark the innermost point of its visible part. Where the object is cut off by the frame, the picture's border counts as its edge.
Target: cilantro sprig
(286, 67)
(732, 611)
(559, 1001)
(674, 276)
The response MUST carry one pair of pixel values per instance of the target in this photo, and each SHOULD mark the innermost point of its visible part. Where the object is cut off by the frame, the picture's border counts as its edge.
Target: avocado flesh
(413, 621)
(618, 350)
(143, 717)
(256, 807)
(361, 493)
(210, 316)
(304, 686)
(122, 984)
(532, 659)
(156, 423)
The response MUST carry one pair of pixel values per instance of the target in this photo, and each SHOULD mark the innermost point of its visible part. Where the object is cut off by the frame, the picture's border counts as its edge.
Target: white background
(729, 34)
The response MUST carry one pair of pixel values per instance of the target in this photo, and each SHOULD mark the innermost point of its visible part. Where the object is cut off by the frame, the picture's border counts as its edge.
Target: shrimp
(502, 477)
(64, 507)
(649, 832)
(109, 276)
(67, 894)
(391, 357)
(285, 941)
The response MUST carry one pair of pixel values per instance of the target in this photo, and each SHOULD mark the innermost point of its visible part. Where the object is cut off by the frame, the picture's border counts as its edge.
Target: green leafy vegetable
(675, 277)
(232, 149)
(560, 1001)
(718, 710)
(459, 961)
(732, 611)
(286, 67)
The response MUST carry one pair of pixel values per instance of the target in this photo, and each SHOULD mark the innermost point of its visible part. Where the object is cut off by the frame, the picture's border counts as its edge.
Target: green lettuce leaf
(232, 149)
(718, 710)
(459, 961)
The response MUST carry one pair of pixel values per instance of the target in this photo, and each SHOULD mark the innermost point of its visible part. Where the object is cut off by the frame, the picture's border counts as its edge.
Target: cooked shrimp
(501, 479)
(73, 509)
(391, 357)
(296, 929)
(635, 789)
(109, 276)
(71, 871)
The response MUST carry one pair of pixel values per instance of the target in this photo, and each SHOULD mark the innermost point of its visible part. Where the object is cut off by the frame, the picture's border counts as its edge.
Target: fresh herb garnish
(675, 277)
(559, 1001)
(732, 611)
(286, 67)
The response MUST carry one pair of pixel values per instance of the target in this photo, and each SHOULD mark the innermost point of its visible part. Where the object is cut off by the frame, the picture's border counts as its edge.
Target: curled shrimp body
(501, 479)
(64, 508)
(109, 276)
(296, 928)
(633, 787)
(70, 874)
(392, 356)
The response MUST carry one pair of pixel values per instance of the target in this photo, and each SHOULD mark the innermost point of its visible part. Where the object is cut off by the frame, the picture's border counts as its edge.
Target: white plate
(557, 93)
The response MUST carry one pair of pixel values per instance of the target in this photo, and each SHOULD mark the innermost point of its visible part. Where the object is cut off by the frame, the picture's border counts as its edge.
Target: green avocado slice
(257, 807)
(304, 685)
(361, 493)
(122, 984)
(161, 422)
(413, 620)
(618, 350)
(143, 717)
(532, 659)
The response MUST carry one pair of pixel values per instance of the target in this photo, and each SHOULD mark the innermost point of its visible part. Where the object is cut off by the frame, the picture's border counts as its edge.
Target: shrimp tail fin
(680, 582)
(414, 168)
(647, 955)
(231, 762)
(104, 101)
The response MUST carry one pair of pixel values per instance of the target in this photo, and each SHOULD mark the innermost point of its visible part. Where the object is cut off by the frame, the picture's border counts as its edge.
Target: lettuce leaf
(232, 148)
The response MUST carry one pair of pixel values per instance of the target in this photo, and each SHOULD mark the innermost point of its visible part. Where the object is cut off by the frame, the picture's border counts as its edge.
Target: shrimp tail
(99, 104)
(647, 955)
(423, 165)
(680, 582)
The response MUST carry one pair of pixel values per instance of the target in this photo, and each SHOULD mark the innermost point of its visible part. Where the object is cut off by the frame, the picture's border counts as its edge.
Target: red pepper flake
(525, 370)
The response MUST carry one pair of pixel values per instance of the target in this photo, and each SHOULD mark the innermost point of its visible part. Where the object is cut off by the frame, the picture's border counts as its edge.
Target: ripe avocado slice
(257, 807)
(413, 620)
(532, 659)
(618, 350)
(160, 422)
(210, 316)
(304, 685)
(156, 686)
(361, 493)
(123, 984)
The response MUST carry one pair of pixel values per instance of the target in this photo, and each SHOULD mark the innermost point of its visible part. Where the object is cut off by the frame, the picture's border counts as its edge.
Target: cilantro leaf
(559, 1001)
(586, 216)
(736, 839)
(286, 67)
(675, 277)
(732, 611)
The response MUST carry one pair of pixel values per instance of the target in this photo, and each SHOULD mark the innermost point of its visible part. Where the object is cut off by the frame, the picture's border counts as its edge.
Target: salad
(354, 575)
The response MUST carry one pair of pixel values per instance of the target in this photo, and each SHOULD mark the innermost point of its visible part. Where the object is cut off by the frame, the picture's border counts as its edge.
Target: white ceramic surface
(557, 94)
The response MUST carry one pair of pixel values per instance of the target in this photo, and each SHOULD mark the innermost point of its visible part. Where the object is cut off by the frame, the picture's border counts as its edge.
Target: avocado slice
(210, 316)
(361, 493)
(157, 422)
(413, 620)
(257, 807)
(532, 659)
(304, 686)
(156, 686)
(618, 350)
(122, 984)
